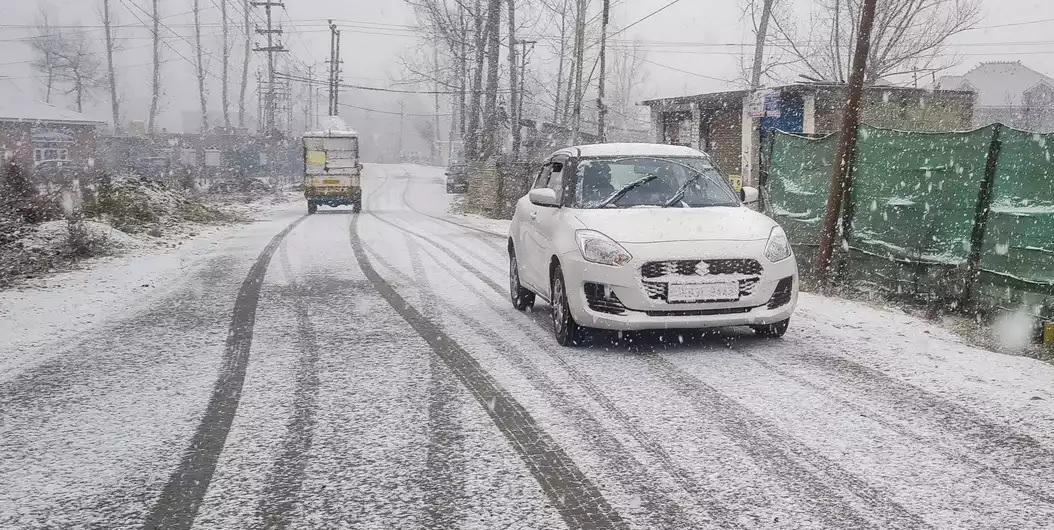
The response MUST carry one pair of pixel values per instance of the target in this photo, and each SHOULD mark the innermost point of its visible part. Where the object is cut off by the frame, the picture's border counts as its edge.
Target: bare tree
(155, 86)
(514, 118)
(111, 48)
(580, 47)
(247, 23)
(490, 110)
(79, 67)
(225, 81)
(628, 75)
(909, 36)
(45, 45)
(200, 66)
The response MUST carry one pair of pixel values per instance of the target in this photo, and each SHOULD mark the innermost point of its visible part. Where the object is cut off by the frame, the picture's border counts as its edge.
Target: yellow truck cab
(331, 166)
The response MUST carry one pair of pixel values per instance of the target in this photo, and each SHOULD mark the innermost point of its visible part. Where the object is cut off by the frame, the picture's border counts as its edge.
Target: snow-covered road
(367, 371)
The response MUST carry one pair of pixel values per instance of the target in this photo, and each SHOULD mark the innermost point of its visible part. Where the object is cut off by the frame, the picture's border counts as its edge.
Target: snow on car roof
(630, 150)
(333, 127)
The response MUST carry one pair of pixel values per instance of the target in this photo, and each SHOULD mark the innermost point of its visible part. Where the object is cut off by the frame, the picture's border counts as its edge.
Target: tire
(567, 331)
(311, 208)
(522, 298)
(772, 331)
(450, 189)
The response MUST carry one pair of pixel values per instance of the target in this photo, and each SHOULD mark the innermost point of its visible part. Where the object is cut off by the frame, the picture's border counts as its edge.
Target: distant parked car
(457, 178)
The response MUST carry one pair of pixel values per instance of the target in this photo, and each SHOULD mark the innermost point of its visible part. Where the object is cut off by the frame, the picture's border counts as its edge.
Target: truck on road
(332, 170)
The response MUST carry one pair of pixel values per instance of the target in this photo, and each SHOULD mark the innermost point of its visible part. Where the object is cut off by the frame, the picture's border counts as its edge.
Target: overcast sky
(375, 34)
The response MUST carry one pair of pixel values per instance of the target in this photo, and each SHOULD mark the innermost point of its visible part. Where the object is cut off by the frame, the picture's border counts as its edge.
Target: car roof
(627, 149)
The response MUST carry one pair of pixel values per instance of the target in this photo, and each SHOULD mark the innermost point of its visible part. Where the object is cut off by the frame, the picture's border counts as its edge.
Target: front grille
(602, 300)
(660, 290)
(784, 291)
(658, 269)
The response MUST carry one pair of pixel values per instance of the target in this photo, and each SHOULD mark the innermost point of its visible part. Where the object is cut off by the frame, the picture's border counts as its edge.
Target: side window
(557, 179)
(543, 176)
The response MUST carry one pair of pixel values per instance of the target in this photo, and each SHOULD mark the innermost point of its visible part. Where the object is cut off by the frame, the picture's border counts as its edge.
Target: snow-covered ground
(389, 384)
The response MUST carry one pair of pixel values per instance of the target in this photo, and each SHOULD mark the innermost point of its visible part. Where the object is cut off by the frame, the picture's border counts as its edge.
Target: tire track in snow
(444, 476)
(764, 442)
(790, 460)
(490, 239)
(182, 495)
(982, 435)
(575, 497)
(278, 500)
(664, 511)
(905, 431)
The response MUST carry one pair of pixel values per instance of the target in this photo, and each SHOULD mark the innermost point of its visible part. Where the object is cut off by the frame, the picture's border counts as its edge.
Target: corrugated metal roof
(12, 109)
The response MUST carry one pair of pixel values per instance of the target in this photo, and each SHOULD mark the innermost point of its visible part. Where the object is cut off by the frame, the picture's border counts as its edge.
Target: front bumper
(636, 306)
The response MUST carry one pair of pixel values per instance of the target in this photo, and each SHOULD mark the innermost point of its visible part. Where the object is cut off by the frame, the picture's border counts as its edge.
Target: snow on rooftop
(21, 110)
(997, 84)
(332, 126)
(631, 150)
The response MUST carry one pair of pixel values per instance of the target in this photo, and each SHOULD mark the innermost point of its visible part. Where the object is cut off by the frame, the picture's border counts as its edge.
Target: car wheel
(567, 331)
(311, 208)
(772, 331)
(522, 298)
(450, 189)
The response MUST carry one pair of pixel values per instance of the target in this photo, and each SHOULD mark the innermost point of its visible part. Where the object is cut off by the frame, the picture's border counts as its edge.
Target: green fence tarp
(914, 206)
(1017, 258)
(796, 190)
(914, 199)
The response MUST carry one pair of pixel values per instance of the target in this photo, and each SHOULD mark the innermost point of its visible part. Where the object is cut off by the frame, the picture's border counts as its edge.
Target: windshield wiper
(682, 190)
(626, 189)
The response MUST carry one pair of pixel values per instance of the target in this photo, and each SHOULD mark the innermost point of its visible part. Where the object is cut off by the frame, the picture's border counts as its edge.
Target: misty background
(691, 47)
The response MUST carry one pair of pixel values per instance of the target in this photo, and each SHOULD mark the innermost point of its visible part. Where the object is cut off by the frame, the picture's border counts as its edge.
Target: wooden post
(846, 141)
(981, 215)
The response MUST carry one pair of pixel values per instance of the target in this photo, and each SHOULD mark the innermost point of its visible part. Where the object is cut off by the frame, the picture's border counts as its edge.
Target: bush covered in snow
(139, 205)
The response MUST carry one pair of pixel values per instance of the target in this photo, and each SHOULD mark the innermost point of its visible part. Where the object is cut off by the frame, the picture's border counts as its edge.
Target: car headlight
(778, 247)
(598, 248)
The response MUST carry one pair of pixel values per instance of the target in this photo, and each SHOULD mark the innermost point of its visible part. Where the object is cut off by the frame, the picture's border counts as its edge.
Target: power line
(391, 113)
(309, 80)
(653, 13)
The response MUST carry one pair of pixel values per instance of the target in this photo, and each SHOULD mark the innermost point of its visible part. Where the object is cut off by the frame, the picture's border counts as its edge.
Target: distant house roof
(36, 111)
(997, 84)
(807, 87)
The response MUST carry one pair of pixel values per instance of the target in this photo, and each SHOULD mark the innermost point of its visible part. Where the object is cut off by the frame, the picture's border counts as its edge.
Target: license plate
(331, 182)
(698, 292)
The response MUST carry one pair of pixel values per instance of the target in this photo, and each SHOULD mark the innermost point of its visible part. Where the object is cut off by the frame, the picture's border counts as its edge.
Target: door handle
(534, 215)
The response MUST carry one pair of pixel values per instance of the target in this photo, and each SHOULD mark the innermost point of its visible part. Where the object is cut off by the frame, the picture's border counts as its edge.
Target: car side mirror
(544, 197)
(749, 194)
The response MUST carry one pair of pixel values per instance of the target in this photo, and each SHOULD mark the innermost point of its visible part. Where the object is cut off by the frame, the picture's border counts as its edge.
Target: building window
(41, 154)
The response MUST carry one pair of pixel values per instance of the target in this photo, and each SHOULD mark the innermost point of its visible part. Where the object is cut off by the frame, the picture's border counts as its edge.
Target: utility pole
(840, 186)
(274, 46)
(601, 107)
(752, 151)
(402, 114)
(336, 79)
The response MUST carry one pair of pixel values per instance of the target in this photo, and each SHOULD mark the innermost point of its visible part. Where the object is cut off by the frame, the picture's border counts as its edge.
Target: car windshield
(628, 182)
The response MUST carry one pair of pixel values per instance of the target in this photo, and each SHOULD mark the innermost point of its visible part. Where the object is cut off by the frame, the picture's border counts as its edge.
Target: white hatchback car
(642, 237)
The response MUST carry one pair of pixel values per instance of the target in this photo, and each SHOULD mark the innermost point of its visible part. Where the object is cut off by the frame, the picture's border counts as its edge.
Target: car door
(529, 250)
(548, 221)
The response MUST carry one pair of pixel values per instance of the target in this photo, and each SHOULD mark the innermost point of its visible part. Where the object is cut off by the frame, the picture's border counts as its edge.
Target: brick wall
(905, 110)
